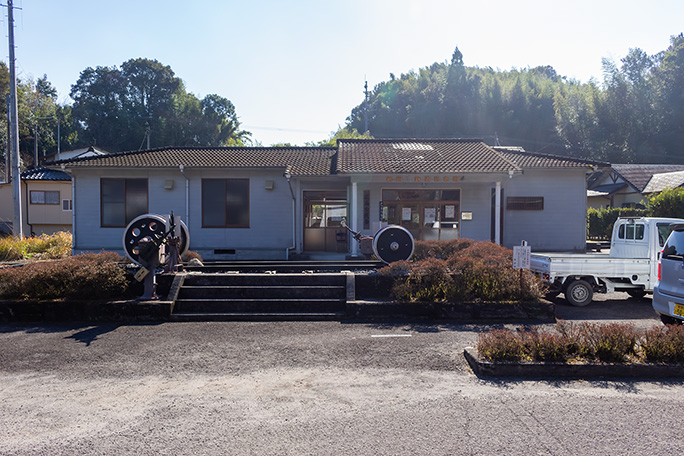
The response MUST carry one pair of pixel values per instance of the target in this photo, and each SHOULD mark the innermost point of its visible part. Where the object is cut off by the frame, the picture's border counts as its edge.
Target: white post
(354, 218)
(497, 214)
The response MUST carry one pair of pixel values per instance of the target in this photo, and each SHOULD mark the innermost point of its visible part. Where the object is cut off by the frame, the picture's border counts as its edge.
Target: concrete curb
(538, 370)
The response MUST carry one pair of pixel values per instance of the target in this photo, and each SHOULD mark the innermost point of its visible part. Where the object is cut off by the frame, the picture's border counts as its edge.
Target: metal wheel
(393, 243)
(579, 293)
(153, 226)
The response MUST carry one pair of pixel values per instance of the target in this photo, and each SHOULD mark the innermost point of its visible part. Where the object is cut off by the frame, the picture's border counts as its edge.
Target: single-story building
(45, 202)
(272, 202)
(630, 185)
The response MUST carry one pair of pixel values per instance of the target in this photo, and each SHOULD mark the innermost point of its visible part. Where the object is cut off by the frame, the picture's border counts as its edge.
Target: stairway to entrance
(262, 296)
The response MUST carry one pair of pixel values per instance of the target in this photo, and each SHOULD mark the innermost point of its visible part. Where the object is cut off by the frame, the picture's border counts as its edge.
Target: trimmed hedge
(87, 276)
(611, 343)
(462, 271)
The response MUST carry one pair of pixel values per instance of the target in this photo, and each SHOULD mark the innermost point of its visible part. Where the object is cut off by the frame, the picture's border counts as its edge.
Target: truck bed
(594, 264)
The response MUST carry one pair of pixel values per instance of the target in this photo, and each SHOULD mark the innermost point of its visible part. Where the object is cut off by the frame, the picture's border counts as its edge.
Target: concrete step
(256, 316)
(274, 305)
(258, 280)
(262, 292)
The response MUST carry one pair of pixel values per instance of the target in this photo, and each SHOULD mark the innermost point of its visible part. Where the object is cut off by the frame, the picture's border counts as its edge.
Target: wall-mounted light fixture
(269, 184)
(168, 184)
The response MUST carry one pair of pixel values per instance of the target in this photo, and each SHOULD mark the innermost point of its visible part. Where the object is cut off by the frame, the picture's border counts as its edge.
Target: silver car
(668, 294)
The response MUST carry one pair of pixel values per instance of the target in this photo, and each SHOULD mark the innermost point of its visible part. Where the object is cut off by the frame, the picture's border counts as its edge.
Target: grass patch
(41, 247)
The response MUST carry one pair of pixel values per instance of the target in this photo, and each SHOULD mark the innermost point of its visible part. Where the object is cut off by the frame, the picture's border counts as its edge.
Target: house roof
(660, 182)
(351, 156)
(45, 174)
(528, 160)
(442, 156)
(302, 161)
(638, 175)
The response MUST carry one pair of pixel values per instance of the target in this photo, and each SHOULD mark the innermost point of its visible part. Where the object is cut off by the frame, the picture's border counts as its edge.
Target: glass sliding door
(323, 215)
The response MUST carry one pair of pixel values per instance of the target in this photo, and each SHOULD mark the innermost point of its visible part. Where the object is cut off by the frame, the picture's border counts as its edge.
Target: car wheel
(636, 293)
(579, 293)
(668, 320)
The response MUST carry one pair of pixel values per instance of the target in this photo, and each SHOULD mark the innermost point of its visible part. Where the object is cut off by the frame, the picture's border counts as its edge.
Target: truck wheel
(579, 293)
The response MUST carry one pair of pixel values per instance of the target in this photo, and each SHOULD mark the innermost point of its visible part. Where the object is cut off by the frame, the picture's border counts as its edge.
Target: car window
(674, 247)
(632, 231)
(664, 230)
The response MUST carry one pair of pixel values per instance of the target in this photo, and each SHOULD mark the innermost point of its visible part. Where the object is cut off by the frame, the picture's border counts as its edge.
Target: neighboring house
(270, 202)
(629, 185)
(90, 151)
(45, 202)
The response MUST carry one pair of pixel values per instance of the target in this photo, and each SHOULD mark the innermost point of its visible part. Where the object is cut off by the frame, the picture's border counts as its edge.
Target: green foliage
(119, 106)
(341, 133)
(461, 271)
(664, 344)
(600, 221)
(45, 246)
(635, 115)
(615, 343)
(668, 203)
(501, 345)
(607, 343)
(90, 276)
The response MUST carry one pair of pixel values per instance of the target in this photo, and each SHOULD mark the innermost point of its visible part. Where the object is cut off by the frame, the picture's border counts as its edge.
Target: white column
(354, 217)
(497, 214)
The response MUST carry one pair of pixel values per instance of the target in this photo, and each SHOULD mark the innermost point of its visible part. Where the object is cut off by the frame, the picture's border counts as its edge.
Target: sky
(295, 69)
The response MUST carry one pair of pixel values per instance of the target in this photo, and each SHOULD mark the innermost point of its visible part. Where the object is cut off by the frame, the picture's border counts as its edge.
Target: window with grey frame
(225, 203)
(122, 200)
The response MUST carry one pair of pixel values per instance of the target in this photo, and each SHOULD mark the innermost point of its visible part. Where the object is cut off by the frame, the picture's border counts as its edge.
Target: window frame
(126, 182)
(226, 215)
(525, 203)
(44, 201)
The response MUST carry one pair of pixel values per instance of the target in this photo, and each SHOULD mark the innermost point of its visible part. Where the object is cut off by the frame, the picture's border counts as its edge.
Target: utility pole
(365, 91)
(17, 222)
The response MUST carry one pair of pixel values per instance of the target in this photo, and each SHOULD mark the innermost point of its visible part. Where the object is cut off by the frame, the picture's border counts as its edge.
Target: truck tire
(579, 293)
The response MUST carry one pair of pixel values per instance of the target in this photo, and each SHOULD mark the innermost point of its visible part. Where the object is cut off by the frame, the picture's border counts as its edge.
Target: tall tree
(120, 107)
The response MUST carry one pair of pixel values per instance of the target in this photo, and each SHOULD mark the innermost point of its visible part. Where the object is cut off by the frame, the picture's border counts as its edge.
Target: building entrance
(427, 214)
(323, 215)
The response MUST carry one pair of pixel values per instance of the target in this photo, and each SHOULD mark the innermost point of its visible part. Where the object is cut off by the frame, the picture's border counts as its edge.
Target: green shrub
(474, 271)
(88, 276)
(600, 221)
(501, 345)
(608, 343)
(440, 249)
(664, 344)
(668, 203)
(544, 345)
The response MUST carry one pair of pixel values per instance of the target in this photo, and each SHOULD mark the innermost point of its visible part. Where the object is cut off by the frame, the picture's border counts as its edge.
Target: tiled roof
(638, 175)
(528, 160)
(352, 156)
(661, 181)
(45, 174)
(443, 156)
(302, 161)
(420, 156)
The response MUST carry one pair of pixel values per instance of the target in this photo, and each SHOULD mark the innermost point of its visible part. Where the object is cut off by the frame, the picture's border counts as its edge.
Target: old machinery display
(391, 243)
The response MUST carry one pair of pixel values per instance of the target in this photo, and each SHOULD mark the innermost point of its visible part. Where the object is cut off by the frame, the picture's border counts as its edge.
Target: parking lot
(312, 388)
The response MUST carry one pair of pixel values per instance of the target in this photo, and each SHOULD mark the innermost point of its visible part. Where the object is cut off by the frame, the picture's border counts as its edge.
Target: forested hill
(634, 115)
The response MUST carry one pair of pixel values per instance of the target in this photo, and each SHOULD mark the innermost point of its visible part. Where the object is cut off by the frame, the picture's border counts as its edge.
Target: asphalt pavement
(298, 388)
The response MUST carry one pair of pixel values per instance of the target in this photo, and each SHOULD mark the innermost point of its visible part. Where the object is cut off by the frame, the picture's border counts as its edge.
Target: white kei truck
(631, 265)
